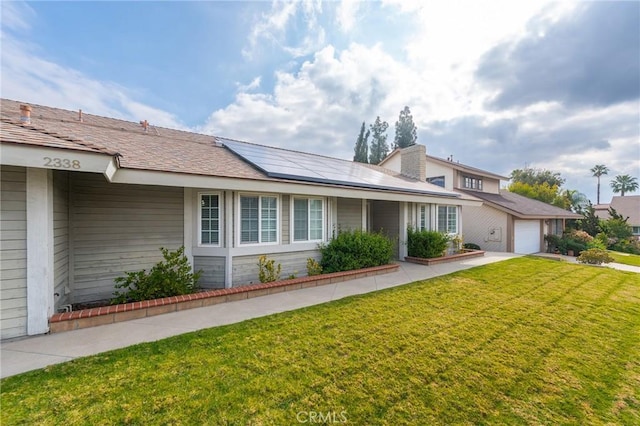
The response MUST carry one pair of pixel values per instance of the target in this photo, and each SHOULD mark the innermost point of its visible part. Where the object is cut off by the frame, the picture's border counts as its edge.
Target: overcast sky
(497, 84)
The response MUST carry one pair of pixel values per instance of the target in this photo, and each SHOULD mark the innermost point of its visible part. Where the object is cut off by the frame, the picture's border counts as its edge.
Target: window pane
(423, 218)
(300, 217)
(248, 219)
(315, 219)
(269, 221)
(442, 219)
(452, 220)
(209, 224)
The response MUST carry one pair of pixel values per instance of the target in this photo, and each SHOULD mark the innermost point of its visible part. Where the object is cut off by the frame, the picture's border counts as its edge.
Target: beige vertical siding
(13, 252)
(385, 218)
(118, 228)
(245, 268)
(212, 271)
(349, 214)
(60, 237)
(478, 223)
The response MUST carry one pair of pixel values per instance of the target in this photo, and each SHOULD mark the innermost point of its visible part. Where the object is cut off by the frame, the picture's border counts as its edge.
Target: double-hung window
(308, 219)
(210, 219)
(448, 219)
(258, 219)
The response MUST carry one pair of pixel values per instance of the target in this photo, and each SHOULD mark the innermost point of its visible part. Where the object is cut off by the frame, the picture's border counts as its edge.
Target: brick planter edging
(67, 321)
(444, 259)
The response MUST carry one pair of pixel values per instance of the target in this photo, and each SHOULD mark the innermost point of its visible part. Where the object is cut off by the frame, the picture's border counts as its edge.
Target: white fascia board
(150, 177)
(40, 157)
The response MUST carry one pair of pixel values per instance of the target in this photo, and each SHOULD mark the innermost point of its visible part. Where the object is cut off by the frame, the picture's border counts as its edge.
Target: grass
(524, 341)
(625, 258)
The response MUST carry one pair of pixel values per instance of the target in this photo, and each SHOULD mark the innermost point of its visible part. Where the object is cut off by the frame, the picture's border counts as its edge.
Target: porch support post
(404, 220)
(228, 238)
(39, 250)
(188, 232)
(364, 215)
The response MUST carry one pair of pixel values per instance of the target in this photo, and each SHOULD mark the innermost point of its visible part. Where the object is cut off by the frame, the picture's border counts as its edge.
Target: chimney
(413, 162)
(80, 116)
(145, 125)
(25, 114)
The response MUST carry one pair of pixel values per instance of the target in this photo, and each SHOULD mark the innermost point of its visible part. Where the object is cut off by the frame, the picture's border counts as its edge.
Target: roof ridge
(40, 116)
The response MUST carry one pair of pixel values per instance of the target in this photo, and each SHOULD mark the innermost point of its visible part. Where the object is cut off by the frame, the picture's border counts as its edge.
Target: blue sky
(497, 84)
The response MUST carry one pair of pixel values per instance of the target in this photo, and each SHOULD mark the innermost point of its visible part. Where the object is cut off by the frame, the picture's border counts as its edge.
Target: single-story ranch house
(505, 222)
(627, 206)
(86, 198)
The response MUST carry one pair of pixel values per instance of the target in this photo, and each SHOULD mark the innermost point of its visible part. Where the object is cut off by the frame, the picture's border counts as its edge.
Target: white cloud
(346, 14)
(16, 15)
(274, 25)
(26, 77)
(255, 84)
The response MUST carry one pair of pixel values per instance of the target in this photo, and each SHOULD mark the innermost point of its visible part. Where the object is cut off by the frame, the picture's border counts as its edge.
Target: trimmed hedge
(351, 250)
(426, 244)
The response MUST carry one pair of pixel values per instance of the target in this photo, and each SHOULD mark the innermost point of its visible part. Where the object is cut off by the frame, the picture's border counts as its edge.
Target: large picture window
(448, 219)
(210, 219)
(308, 219)
(258, 219)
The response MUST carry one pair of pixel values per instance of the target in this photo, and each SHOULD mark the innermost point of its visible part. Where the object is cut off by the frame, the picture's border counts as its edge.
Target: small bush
(171, 277)
(595, 256)
(351, 250)
(426, 244)
(313, 267)
(268, 271)
(471, 246)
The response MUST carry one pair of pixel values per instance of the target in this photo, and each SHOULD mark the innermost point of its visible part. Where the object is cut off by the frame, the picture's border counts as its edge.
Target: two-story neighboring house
(505, 221)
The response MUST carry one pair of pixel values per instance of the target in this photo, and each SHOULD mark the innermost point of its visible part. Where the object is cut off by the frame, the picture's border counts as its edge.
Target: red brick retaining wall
(127, 311)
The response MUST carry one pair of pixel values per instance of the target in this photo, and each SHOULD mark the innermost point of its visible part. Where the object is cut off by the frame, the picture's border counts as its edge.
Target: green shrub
(351, 250)
(595, 256)
(172, 276)
(596, 243)
(269, 272)
(471, 246)
(313, 267)
(426, 244)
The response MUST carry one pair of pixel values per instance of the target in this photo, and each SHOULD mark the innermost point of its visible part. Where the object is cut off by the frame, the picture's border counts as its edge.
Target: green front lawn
(625, 258)
(524, 341)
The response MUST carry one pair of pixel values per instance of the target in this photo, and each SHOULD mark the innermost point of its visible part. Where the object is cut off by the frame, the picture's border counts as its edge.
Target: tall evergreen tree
(599, 170)
(379, 148)
(406, 131)
(362, 146)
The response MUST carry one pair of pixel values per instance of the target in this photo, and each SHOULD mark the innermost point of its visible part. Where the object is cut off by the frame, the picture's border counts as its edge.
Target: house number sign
(63, 163)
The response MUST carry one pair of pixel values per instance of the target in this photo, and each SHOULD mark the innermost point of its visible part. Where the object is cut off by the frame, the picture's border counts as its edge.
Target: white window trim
(220, 218)
(292, 225)
(238, 212)
(457, 218)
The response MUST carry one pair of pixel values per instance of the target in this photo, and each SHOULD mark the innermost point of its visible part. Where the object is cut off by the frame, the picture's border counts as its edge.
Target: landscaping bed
(467, 253)
(101, 315)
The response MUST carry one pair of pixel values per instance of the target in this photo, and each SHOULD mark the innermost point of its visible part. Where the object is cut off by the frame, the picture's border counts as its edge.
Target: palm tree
(624, 183)
(599, 170)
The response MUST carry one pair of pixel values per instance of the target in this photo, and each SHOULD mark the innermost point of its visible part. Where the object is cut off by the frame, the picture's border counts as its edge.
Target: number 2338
(64, 163)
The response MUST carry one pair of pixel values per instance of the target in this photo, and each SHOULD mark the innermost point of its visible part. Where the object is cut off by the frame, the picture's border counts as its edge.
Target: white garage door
(526, 236)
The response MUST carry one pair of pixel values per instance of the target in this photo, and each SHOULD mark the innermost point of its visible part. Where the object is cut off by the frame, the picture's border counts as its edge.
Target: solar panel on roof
(284, 164)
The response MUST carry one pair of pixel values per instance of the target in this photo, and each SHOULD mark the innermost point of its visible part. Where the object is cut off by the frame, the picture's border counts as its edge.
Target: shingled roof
(156, 148)
(523, 207)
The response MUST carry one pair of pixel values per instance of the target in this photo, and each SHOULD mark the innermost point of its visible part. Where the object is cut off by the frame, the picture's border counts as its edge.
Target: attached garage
(526, 236)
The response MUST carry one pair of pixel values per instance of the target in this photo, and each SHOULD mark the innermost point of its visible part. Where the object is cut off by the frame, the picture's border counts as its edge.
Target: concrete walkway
(573, 259)
(31, 353)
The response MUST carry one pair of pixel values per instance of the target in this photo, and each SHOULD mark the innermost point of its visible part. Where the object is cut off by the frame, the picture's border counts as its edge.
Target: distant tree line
(374, 152)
